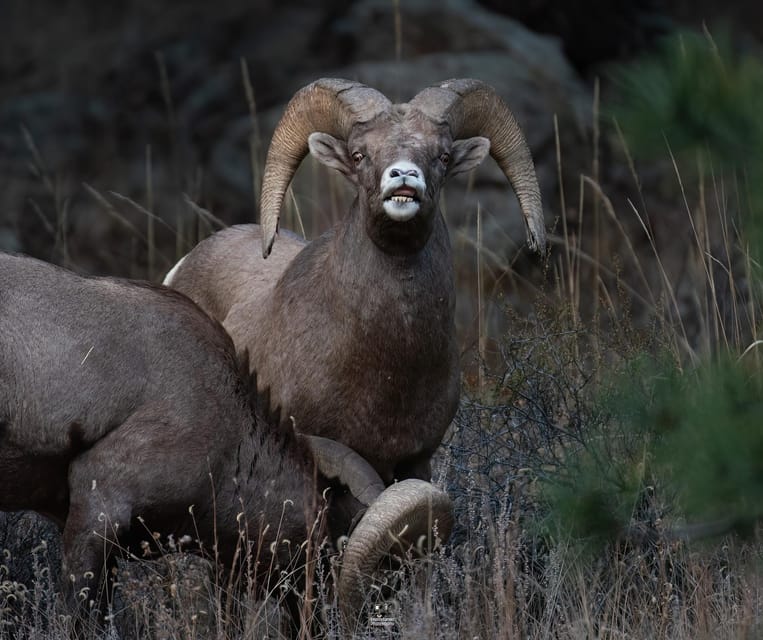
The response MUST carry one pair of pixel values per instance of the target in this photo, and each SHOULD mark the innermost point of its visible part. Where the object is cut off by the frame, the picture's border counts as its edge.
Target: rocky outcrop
(169, 95)
(157, 110)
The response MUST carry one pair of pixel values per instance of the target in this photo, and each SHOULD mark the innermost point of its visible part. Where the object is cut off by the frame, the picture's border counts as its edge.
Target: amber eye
(445, 158)
(357, 157)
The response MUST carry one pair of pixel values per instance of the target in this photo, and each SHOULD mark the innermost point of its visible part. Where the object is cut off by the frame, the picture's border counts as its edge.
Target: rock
(526, 69)
(28, 544)
(155, 109)
(30, 568)
(450, 26)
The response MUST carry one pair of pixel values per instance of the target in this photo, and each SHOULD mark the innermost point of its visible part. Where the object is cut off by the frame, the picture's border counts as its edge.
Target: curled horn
(337, 461)
(473, 108)
(398, 518)
(328, 105)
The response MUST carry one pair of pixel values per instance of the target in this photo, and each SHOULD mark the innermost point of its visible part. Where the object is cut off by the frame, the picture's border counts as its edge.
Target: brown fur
(121, 401)
(354, 337)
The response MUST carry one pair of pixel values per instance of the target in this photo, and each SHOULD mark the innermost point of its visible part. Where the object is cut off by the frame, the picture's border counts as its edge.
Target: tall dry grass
(507, 572)
(610, 291)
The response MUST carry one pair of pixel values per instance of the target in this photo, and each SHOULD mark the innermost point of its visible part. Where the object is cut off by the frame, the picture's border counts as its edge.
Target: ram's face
(399, 162)
(401, 165)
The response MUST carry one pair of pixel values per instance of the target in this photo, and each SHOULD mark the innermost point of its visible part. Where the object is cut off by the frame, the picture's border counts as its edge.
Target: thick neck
(370, 301)
(360, 255)
(373, 282)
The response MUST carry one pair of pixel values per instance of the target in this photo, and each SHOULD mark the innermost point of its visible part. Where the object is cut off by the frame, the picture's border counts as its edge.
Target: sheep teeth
(401, 199)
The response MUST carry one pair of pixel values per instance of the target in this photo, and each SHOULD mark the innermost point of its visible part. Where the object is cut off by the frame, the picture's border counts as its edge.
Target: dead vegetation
(644, 260)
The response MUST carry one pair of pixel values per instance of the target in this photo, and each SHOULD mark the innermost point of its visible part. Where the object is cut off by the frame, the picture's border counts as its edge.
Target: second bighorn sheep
(353, 334)
(123, 411)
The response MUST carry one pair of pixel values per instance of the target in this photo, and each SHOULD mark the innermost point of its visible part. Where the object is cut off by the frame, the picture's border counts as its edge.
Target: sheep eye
(357, 157)
(445, 158)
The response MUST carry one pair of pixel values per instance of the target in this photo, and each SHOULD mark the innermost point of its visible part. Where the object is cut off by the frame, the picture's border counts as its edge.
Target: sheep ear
(467, 154)
(331, 152)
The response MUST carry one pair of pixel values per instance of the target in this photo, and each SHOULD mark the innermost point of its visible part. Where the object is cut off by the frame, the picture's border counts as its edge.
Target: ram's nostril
(396, 173)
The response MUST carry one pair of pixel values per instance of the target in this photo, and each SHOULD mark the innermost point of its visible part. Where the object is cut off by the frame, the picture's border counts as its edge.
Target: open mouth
(403, 195)
(402, 204)
(403, 189)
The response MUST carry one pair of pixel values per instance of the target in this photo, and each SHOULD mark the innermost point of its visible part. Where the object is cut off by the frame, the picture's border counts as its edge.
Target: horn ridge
(473, 108)
(328, 105)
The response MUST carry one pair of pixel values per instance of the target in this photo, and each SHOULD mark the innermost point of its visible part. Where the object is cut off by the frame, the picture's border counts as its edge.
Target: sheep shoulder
(360, 319)
(240, 276)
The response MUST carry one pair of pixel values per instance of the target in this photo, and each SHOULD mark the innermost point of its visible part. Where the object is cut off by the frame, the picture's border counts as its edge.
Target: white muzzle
(402, 189)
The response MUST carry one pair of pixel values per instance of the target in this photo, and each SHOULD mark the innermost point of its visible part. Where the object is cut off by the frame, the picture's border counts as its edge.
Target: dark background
(109, 111)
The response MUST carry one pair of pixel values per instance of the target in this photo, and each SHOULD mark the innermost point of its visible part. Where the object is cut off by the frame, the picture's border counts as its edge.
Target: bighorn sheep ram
(353, 334)
(123, 410)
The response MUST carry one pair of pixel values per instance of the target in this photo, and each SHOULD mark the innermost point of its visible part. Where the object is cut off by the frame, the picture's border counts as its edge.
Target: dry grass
(506, 572)
(611, 290)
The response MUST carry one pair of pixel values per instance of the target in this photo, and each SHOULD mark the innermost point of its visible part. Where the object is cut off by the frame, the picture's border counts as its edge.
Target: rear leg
(134, 473)
(96, 519)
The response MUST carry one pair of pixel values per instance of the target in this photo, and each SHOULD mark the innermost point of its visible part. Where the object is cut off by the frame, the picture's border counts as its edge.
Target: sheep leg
(83, 562)
(91, 529)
